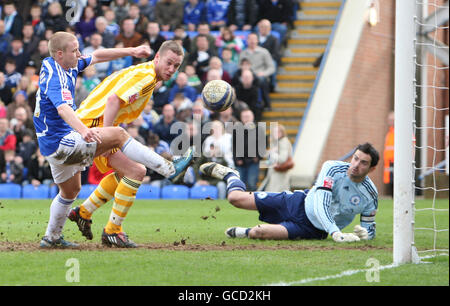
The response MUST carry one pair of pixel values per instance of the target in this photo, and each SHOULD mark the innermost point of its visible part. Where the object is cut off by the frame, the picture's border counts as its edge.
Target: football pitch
(182, 243)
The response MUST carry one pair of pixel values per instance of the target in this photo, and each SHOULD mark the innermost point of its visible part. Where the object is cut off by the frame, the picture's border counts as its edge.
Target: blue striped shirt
(56, 87)
(335, 200)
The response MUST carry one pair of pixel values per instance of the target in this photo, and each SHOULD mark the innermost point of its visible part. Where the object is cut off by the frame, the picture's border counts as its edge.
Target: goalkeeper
(342, 191)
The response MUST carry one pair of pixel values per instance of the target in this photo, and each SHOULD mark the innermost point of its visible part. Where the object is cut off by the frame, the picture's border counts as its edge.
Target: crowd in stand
(237, 41)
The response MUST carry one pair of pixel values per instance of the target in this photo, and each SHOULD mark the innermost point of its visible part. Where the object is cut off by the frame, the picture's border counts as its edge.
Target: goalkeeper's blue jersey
(335, 200)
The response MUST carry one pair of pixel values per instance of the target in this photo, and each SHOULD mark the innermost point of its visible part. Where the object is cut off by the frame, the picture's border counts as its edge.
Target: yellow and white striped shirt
(133, 85)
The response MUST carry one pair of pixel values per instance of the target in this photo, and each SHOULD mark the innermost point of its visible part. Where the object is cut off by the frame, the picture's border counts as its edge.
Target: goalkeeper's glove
(361, 232)
(344, 237)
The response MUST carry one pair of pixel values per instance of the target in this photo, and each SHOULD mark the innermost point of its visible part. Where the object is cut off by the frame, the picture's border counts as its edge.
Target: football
(218, 95)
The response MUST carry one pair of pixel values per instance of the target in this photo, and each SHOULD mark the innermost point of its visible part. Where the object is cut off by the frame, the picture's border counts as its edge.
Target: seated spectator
(120, 63)
(5, 39)
(216, 13)
(181, 86)
(86, 26)
(90, 79)
(39, 171)
(28, 146)
(21, 123)
(183, 107)
(169, 14)
(147, 8)
(40, 54)
(8, 140)
(17, 54)
(194, 14)
(81, 91)
(216, 63)
(154, 38)
(268, 41)
(13, 20)
(180, 33)
(261, 64)
(227, 63)
(278, 12)
(108, 38)
(139, 19)
(193, 79)
(12, 77)
(19, 100)
(162, 148)
(13, 169)
(227, 40)
(204, 29)
(220, 141)
(111, 26)
(5, 91)
(129, 36)
(162, 128)
(133, 130)
(120, 8)
(200, 58)
(55, 20)
(248, 91)
(242, 14)
(96, 44)
(30, 40)
(36, 20)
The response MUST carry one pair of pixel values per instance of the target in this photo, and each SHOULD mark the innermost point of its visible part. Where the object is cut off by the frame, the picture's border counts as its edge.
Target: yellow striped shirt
(133, 85)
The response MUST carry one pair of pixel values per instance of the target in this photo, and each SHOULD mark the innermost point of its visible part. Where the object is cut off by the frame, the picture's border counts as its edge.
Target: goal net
(421, 130)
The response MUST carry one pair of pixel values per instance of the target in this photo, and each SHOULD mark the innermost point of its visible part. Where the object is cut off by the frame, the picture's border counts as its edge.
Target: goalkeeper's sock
(234, 183)
(101, 195)
(136, 151)
(123, 199)
(59, 209)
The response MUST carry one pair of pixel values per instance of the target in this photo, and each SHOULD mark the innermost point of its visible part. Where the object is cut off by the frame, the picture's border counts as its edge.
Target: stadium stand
(203, 192)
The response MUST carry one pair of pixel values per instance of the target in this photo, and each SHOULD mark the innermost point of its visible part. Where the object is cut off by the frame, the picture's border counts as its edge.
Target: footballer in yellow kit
(133, 85)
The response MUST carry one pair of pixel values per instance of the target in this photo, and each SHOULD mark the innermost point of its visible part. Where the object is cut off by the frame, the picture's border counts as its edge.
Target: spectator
(203, 29)
(242, 15)
(248, 91)
(96, 44)
(220, 141)
(108, 39)
(28, 146)
(133, 130)
(90, 79)
(200, 58)
(5, 91)
(267, 40)
(30, 41)
(19, 100)
(228, 40)
(86, 26)
(216, 63)
(180, 32)
(147, 9)
(169, 14)
(8, 140)
(227, 118)
(278, 12)
(36, 20)
(129, 36)
(139, 19)
(162, 148)
(120, 8)
(81, 91)
(39, 171)
(162, 128)
(18, 54)
(31, 74)
(13, 20)
(120, 63)
(21, 123)
(277, 180)
(54, 20)
(40, 54)
(227, 63)
(193, 79)
(216, 13)
(111, 26)
(246, 153)
(154, 38)
(12, 77)
(194, 14)
(183, 107)
(12, 172)
(261, 64)
(150, 116)
(181, 86)
(5, 39)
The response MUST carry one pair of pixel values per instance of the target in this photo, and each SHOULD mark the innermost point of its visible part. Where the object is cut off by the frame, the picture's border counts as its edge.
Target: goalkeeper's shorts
(288, 210)
(102, 163)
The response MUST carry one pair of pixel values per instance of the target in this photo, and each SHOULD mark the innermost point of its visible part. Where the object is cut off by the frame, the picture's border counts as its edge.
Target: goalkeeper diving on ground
(342, 190)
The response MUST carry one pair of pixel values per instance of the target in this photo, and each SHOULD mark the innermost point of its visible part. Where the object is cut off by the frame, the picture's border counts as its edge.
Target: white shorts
(73, 155)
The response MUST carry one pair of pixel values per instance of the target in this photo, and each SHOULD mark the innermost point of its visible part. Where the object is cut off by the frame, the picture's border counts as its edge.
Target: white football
(218, 95)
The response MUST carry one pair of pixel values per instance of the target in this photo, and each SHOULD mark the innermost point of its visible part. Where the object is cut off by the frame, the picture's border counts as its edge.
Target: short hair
(172, 46)
(58, 42)
(369, 149)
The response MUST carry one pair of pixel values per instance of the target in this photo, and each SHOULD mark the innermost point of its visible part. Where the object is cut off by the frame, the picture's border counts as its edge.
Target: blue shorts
(288, 210)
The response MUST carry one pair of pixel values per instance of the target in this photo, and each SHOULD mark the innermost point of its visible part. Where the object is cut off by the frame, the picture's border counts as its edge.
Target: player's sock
(123, 199)
(136, 151)
(59, 209)
(234, 183)
(242, 232)
(101, 195)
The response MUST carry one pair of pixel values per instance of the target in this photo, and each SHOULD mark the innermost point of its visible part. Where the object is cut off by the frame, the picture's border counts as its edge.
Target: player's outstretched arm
(68, 115)
(106, 55)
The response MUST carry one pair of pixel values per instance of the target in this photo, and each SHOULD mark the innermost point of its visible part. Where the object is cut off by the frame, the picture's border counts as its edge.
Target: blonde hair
(58, 42)
(172, 46)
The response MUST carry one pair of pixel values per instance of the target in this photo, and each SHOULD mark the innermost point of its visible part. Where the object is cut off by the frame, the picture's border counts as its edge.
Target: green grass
(207, 257)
